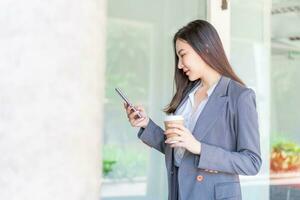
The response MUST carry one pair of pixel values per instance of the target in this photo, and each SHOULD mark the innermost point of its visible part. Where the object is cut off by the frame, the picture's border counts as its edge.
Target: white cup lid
(173, 117)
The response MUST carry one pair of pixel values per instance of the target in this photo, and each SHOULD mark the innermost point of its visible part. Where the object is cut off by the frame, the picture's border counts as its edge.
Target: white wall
(51, 83)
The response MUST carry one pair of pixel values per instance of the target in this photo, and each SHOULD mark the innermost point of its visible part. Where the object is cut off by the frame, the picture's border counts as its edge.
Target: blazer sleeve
(246, 160)
(153, 136)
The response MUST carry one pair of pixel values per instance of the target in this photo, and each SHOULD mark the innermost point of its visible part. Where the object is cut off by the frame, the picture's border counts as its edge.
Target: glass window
(285, 115)
(140, 61)
(250, 55)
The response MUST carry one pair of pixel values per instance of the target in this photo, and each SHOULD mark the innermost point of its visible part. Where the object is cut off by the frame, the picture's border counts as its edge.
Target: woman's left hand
(185, 138)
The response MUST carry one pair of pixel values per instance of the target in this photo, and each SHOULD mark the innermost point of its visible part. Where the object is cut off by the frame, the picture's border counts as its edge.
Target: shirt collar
(208, 92)
(212, 88)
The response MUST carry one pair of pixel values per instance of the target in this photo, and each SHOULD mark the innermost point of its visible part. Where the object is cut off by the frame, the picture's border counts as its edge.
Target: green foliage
(107, 166)
(121, 162)
(288, 147)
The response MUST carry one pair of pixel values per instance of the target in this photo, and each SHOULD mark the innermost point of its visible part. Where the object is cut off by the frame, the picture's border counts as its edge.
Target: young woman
(220, 138)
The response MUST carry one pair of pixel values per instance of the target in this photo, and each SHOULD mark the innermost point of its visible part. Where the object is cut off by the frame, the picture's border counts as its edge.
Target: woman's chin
(190, 78)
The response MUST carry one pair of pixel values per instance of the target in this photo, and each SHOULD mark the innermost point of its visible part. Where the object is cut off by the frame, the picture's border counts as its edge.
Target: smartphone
(123, 96)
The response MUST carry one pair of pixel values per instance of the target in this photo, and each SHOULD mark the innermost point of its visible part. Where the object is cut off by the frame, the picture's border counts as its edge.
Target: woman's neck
(211, 79)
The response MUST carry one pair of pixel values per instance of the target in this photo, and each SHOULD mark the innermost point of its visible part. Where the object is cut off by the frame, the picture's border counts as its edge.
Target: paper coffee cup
(173, 119)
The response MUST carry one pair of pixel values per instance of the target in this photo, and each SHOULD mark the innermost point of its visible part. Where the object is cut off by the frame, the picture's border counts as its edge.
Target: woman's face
(189, 61)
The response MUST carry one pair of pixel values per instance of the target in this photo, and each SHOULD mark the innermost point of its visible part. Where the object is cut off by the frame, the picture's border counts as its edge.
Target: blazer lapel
(210, 113)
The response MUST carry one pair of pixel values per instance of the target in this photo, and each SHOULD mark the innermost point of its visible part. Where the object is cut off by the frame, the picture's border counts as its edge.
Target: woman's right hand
(132, 116)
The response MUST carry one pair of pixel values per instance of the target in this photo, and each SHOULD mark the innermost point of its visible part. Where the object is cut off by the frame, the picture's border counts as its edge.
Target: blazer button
(200, 178)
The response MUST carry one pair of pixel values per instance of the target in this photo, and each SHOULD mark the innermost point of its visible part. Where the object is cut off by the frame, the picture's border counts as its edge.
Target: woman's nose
(179, 65)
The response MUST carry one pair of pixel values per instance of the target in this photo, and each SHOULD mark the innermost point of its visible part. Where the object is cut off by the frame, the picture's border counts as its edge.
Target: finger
(174, 130)
(177, 144)
(133, 122)
(172, 139)
(179, 126)
(169, 131)
(128, 109)
(140, 107)
(142, 112)
(133, 114)
(139, 122)
(134, 109)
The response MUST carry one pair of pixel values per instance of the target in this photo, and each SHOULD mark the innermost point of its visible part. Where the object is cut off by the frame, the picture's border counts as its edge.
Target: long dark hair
(204, 39)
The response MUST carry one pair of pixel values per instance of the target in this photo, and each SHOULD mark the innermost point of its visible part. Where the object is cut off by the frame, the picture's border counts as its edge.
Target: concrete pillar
(51, 87)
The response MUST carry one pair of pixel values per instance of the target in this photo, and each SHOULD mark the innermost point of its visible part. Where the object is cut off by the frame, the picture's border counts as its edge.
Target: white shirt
(190, 118)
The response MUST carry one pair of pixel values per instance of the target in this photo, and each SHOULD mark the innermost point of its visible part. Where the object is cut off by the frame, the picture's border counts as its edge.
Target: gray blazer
(228, 131)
